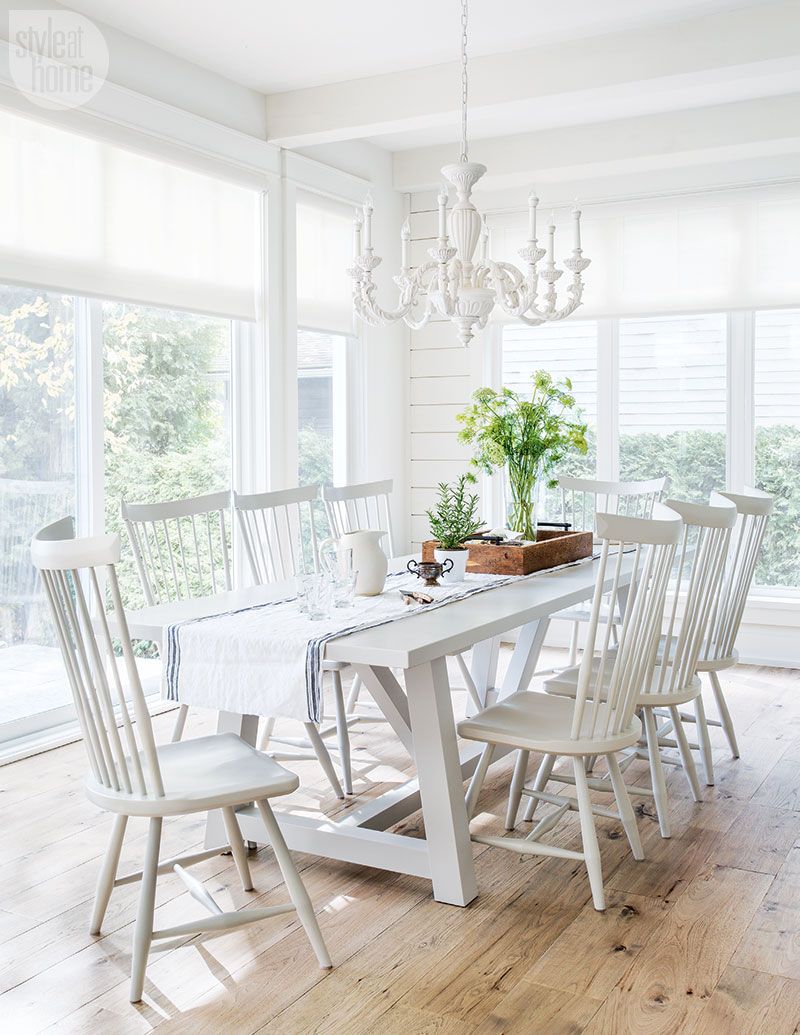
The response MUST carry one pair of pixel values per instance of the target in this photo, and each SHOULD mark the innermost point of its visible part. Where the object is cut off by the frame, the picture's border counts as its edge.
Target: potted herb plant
(527, 437)
(453, 520)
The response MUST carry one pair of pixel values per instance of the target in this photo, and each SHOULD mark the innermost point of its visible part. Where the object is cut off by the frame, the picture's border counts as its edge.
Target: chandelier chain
(464, 156)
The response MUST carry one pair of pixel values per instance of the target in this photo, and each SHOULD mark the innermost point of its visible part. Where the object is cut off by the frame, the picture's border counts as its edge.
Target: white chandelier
(452, 283)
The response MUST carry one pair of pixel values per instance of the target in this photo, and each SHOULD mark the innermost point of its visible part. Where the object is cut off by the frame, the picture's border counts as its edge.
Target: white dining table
(419, 710)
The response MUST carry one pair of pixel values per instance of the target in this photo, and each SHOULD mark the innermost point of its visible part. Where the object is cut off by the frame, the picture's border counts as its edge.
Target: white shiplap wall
(443, 374)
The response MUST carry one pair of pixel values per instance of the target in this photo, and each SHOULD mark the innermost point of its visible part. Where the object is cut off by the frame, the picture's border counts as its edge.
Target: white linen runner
(265, 660)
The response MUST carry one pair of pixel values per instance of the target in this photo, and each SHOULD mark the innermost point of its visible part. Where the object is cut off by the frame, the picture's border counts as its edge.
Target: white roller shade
(713, 252)
(324, 253)
(78, 215)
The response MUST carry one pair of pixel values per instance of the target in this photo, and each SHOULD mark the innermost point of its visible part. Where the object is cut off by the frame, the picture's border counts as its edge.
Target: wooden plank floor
(702, 937)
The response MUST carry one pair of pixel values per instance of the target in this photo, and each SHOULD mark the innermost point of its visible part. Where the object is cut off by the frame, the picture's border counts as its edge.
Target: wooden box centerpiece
(553, 547)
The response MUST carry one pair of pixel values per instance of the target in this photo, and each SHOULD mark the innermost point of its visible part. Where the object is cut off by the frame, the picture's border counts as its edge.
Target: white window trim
(740, 420)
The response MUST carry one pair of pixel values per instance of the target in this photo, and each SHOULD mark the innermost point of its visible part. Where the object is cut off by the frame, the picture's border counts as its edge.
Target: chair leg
(143, 932)
(478, 778)
(591, 849)
(657, 772)
(294, 883)
(724, 714)
(108, 872)
(686, 753)
(704, 740)
(237, 846)
(342, 732)
(515, 791)
(324, 758)
(352, 697)
(263, 740)
(625, 808)
(180, 723)
(573, 644)
(539, 784)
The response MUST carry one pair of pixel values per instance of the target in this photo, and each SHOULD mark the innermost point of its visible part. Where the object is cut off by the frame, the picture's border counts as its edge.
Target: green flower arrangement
(528, 437)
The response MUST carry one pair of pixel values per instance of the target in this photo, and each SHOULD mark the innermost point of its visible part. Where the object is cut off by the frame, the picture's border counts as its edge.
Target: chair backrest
(694, 590)
(365, 506)
(72, 572)
(583, 498)
(279, 532)
(611, 679)
(182, 547)
(753, 508)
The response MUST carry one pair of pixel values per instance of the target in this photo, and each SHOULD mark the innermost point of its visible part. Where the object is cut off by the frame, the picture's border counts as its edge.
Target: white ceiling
(275, 45)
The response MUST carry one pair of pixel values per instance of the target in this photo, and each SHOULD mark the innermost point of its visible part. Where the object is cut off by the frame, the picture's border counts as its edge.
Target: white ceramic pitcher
(369, 560)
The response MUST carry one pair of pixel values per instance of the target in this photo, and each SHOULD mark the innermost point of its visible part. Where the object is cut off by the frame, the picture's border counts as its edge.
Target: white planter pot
(459, 559)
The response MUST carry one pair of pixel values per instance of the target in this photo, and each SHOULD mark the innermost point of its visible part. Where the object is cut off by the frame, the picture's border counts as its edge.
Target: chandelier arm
(410, 289)
(547, 314)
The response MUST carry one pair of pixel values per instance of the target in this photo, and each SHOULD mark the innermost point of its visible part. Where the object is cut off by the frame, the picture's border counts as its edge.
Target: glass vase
(521, 507)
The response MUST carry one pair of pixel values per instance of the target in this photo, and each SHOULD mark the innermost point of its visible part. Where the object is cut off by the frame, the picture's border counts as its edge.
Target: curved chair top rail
(276, 498)
(167, 509)
(336, 493)
(751, 501)
(663, 528)
(705, 515)
(76, 572)
(55, 548)
(604, 488)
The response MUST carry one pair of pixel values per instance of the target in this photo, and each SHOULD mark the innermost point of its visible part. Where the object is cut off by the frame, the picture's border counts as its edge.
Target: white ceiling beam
(750, 44)
(718, 134)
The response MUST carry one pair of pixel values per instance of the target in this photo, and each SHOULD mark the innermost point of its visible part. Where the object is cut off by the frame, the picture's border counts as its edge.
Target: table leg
(441, 783)
(485, 656)
(246, 727)
(525, 657)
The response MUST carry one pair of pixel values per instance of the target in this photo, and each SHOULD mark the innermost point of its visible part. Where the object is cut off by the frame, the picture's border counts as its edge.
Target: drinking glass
(319, 596)
(344, 589)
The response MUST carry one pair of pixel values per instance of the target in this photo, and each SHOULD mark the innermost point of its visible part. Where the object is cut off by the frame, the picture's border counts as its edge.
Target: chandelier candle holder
(455, 283)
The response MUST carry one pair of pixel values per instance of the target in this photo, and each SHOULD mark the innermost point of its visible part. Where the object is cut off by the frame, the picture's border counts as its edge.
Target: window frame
(740, 410)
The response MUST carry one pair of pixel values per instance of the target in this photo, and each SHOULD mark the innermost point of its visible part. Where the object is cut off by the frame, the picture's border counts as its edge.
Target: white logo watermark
(58, 59)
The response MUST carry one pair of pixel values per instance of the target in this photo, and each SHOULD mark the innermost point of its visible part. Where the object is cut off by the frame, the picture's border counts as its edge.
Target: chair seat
(565, 684)
(202, 774)
(538, 722)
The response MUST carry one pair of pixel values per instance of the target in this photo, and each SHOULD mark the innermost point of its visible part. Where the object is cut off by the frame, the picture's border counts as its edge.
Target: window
(37, 485)
(166, 390)
(777, 441)
(321, 384)
(673, 402)
(566, 349)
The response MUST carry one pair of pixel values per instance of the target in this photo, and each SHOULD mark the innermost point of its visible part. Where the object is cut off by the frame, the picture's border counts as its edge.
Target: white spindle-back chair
(364, 506)
(692, 597)
(350, 508)
(581, 500)
(600, 718)
(279, 532)
(130, 775)
(753, 508)
(280, 539)
(182, 549)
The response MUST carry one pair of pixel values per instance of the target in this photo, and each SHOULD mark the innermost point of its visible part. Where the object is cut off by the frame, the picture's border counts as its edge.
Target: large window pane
(321, 416)
(672, 402)
(565, 350)
(166, 412)
(37, 485)
(777, 414)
